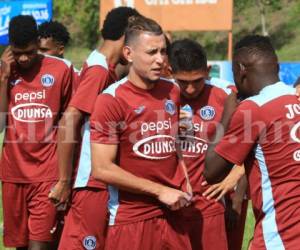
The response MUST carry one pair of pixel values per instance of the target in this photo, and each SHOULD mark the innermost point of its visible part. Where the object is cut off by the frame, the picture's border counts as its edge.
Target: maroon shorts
(28, 214)
(86, 222)
(207, 233)
(156, 233)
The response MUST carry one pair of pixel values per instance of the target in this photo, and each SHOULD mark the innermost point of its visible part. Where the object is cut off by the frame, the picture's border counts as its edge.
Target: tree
(81, 18)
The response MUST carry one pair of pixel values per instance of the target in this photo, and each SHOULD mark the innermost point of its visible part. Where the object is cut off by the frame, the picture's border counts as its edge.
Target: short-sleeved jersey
(207, 112)
(264, 132)
(36, 100)
(144, 125)
(95, 76)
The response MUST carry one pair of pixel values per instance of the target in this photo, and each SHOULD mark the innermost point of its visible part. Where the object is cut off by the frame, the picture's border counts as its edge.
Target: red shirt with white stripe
(264, 133)
(144, 125)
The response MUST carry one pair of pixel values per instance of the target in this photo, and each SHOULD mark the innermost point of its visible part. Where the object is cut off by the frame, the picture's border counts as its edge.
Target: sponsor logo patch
(139, 110)
(15, 82)
(89, 242)
(47, 80)
(207, 113)
(170, 107)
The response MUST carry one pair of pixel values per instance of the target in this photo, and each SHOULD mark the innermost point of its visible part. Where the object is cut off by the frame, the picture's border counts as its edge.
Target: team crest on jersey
(170, 107)
(139, 110)
(207, 113)
(47, 80)
(89, 242)
(15, 82)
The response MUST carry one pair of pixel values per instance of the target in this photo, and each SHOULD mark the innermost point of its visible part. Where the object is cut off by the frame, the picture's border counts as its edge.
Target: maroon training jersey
(264, 133)
(36, 100)
(207, 112)
(144, 124)
(95, 76)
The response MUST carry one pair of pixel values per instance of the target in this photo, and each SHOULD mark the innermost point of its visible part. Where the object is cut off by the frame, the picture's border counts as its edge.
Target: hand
(7, 60)
(173, 198)
(228, 184)
(60, 193)
(185, 123)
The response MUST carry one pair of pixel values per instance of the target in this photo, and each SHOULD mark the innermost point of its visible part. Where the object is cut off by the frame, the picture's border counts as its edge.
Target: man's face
(191, 82)
(147, 55)
(238, 70)
(25, 56)
(49, 47)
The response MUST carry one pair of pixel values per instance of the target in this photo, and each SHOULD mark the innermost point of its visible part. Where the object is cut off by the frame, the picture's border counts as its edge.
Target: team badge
(139, 110)
(207, 113)
(15, 82)
(170, 107)
(47, 80)
(89, 242)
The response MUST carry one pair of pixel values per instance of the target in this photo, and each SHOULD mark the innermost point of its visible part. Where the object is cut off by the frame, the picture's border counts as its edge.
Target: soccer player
(204, 219)
(53, 38)
(86, 221)
(34, 91)
(262, 132)
(133, 130)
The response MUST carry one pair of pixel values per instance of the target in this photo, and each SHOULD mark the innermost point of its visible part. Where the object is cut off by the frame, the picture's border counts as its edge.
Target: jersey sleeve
(242, 135)
(67, 87)
(93, 81)
(106, 120)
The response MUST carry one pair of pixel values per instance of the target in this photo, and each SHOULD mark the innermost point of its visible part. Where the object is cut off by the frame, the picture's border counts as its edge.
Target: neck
(263, 81)
(111, 50)
(139, 81)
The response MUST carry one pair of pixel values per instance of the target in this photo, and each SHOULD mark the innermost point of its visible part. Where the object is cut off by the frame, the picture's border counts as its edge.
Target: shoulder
(97, 59)
(271, 92)
(112, 89)
(57, 61)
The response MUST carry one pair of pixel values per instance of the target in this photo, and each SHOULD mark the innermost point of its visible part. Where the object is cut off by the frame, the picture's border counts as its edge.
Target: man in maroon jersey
(34, 91)
(133, 129)
(263, 132)
(86, 221)
(204, 219)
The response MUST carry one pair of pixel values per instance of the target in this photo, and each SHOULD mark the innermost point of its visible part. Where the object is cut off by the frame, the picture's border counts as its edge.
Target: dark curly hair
(116, 22)
(55, 30)
(22, 30)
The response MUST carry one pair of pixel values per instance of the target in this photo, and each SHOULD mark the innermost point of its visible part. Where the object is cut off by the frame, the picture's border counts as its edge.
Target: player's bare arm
(68, 126)
(217, 191)
(216, 167)
(105, 169)
(7, 60)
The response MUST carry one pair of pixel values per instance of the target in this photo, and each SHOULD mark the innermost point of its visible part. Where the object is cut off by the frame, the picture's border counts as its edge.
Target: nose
(23, 59)
(160, 58)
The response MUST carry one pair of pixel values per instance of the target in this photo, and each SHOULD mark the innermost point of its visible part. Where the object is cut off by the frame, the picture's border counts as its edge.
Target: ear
(61, 50)
(243, 69)
(127, 53)
(208, 69)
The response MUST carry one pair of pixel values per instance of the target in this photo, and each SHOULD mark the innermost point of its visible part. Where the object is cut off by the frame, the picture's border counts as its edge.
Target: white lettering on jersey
(156, 126)
(155, 147)
(30, 96)
(31, 112)
(293, 109)
(192, 146)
